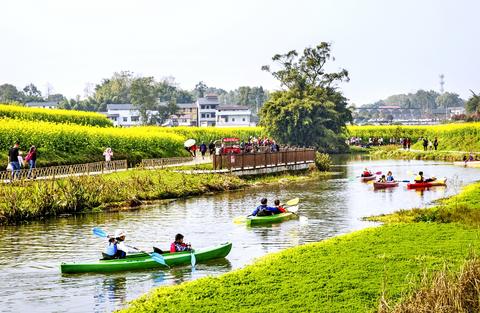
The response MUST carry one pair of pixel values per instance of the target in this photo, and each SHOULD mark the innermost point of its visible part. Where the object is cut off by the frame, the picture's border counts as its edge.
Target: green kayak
(277, 218)
(142, 261)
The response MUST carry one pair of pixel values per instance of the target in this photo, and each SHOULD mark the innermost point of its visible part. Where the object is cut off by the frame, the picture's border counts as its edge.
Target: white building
(125, 114)
(233, 115)
(207, 110)
(44, 105)
(457, 110)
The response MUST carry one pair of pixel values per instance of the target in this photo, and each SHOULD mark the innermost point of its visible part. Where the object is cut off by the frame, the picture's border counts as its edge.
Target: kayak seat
(159, 251)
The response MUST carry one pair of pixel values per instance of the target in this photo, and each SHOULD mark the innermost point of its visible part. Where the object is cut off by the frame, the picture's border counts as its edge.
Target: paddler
(420, 179)
(264, 210)
(178, 245)
(382, 179)
(390, 178)
(366, 173)
(116, 248)
(279, 206)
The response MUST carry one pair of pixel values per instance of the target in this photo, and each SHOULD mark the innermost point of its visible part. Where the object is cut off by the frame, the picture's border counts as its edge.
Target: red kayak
(377, 185)
(367, 178)
(438, 182)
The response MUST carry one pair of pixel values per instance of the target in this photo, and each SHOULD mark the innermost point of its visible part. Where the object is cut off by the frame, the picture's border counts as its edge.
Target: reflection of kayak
(277, 218)
(142, 261)
(438, 182)
(468, 163)
(367, 178)
(378, 185)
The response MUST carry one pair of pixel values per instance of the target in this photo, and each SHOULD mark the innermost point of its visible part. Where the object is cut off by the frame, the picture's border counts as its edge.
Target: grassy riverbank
(350, 273)
(395, 152)
(28, 200)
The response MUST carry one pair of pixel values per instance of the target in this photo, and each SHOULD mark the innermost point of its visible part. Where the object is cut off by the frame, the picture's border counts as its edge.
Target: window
(203, 115)
(135, 118)
(213, 114)
(226, 119)
(233, 119)
(125, 119)
(243, 119)
(202, 107)
(208, 115)
(191, 110)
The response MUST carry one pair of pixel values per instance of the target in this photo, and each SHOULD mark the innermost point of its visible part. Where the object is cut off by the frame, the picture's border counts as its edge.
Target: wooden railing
(53, 172)
(163, 162)
(263, 159)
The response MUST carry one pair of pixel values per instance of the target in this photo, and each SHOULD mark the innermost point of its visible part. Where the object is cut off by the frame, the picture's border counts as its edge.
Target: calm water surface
(30, 279)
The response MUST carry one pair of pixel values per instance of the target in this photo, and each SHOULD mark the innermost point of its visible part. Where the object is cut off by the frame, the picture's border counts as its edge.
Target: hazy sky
(387, 46)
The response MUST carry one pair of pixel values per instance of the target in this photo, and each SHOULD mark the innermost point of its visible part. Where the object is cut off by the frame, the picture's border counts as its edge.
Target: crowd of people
(404, 142)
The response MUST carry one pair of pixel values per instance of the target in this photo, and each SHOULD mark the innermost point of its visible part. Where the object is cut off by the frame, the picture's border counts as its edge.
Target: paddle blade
(378, 173)
(293, 202)
(159, 258)
(99, 232)
(240, 219)
(293, 209)
(193, 259)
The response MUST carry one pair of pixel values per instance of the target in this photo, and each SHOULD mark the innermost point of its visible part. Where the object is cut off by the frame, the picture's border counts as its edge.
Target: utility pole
(442, 90)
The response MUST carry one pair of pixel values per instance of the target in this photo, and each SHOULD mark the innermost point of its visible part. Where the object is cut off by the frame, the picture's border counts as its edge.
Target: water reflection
(30, 254)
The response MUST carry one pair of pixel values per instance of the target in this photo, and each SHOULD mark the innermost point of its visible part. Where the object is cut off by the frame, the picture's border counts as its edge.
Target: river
(30, 279)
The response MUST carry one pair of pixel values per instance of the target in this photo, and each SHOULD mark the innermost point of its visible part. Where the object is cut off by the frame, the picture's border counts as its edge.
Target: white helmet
(119, 233)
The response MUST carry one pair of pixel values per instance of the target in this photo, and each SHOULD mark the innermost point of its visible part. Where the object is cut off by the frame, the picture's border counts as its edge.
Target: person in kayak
(178, 245)
(420, 179)
(366, 173)
(382, 179)
(264, 210)
(390, 178)
(116, 248)
(279, 206)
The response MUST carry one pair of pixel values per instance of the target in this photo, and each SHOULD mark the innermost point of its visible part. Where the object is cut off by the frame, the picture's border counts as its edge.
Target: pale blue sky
(388, 46)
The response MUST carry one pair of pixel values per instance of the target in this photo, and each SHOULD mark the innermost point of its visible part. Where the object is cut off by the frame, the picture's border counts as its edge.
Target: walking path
(195, 161)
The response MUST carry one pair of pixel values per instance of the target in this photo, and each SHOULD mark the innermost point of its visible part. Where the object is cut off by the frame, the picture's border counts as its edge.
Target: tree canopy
(311, 111)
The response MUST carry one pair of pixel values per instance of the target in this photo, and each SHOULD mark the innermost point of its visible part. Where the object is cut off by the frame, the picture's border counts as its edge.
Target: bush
(56, 116)
(322, 161)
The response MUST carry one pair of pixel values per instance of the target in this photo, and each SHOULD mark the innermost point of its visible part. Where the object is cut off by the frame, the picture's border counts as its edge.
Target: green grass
(343, 274)
(394, 152)
(41, 199)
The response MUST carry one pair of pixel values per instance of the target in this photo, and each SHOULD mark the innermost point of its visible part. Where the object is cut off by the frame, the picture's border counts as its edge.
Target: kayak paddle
(99, 232)
(193, 259)
(293, 202)
(293, 209)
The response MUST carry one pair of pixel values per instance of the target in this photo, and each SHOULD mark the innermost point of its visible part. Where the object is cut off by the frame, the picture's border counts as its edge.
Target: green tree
(473, 104)
(144, 96)
(311, 112)
(32, 94)
(115, 89)
(200, 89)
(449, 100)
(9, 93)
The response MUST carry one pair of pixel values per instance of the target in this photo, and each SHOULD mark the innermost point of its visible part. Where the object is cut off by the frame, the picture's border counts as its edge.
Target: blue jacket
(265, 207)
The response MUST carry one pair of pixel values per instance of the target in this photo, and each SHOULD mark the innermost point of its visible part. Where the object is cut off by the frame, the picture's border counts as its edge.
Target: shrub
(322, 161)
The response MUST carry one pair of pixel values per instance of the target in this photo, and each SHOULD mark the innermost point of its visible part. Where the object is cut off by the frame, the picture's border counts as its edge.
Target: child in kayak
(419, 178)
(279, 206)
(116, 248)
(264, 210)
(178, 245)
(382, 179)
(366, 173)
(390, 178)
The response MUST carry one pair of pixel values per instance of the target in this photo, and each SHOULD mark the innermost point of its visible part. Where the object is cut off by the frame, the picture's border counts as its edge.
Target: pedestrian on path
(31, 159)
(211, 148)
(108, 154)
(425, 144)
(435, 143)
(13, 161)
(193, 149)
(409, 142)
(203, 150)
